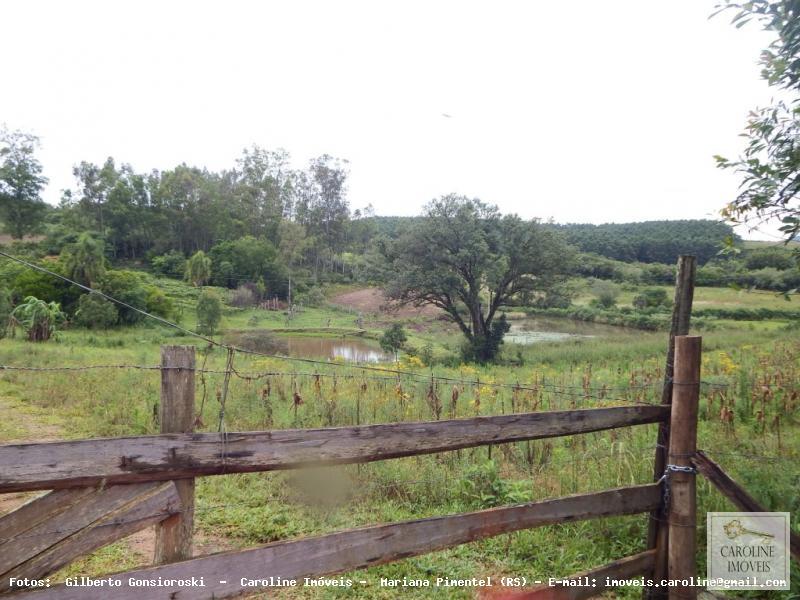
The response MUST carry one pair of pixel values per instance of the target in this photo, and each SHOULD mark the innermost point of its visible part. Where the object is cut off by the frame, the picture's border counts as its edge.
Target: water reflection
(537, 330)
(348, 349)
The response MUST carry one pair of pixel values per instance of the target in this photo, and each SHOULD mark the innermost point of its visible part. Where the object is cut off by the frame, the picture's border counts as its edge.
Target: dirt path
(31, 424)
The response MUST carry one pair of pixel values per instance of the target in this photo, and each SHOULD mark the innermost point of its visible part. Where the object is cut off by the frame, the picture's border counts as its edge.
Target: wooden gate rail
(223, 574)
(51, 531)
(737, 494)
(624, 568)
(54, 465)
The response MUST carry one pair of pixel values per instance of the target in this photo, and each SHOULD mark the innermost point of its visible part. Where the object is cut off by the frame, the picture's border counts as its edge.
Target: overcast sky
(581, 111)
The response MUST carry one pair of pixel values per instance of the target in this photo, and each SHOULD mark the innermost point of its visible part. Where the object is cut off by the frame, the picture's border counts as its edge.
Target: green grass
(251, 509)
(710, 297)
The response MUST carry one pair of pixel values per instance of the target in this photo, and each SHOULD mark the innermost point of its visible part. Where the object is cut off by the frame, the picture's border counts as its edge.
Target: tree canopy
(21, 182)
(470, 261)
(770, 163)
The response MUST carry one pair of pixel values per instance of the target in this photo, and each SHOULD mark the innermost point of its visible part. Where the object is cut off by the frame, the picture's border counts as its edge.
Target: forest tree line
(262, 221)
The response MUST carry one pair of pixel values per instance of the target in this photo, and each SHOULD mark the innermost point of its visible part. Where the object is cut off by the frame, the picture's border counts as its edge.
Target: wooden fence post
(176, 411)
(657, 533)
(681, 476)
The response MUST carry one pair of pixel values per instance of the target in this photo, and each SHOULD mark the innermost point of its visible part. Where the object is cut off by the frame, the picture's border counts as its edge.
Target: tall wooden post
(681, 477)
(174, 535)
(657, 534)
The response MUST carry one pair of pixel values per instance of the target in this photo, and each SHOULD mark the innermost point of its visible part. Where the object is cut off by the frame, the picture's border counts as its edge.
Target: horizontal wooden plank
(104, 516)
(222, 574)
(174, 456)
(624, 568)
(737, 494)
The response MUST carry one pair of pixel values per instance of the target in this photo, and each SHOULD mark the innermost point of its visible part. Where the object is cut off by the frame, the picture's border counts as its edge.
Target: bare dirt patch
(373, 301)
(143, 544)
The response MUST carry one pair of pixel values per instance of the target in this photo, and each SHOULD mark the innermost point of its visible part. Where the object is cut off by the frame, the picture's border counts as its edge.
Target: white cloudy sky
(580, 111)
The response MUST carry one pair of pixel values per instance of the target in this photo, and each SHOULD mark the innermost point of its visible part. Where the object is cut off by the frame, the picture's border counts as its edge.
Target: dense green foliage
(468, 260)
(37, 318)
(248, 259)
(650, 241)
(198, 269)
(127, 287)
(651, 298)
(171, 264)
(21, 182)
(209, 312)
(770, 163)
(393, 339)
(95, 312)
(84, 261)
(5, 311)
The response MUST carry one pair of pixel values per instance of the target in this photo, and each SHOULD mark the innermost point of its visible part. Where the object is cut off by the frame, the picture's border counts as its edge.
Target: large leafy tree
(470, 261)
(21, 183)
(321, 204)
(262, 186)
(770, 163)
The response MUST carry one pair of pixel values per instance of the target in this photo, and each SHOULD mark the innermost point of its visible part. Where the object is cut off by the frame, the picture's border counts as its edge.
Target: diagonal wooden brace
(53, 530)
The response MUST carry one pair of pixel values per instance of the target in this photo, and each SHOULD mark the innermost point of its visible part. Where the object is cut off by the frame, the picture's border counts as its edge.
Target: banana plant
(37, 318)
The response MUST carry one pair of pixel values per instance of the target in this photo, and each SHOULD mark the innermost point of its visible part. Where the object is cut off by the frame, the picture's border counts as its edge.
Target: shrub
(95, 312)
(712, 275)
(158, 303)
(483, 487)
(171, 264)
(257, 340)
(393, 339)
(242, 297)
(198, 269)
(45, 287)
(768, 278)
(558, 296)
(314, 297)
(658, 273)
(248, 259)
(605, 294)
(127, 287)
(5, 311)
(762, 258)
(592, 265)
(209, 312)
(651, 298)
(38, 318)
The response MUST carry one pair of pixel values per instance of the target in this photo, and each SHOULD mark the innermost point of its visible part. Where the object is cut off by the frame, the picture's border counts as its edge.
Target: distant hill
(645, 242)
(650, 241)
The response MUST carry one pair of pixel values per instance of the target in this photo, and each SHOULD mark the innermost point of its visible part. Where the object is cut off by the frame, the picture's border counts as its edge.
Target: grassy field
(750, 369)
(710, 297)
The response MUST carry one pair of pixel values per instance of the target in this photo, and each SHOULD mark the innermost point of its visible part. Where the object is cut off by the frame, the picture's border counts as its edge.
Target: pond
(342, 348)
(535, 330)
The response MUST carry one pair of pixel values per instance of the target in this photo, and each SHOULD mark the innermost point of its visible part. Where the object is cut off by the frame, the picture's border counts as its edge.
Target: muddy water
(537, 330)
(348, 349)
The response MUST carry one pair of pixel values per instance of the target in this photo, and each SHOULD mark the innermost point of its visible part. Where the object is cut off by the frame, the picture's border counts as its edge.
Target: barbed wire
(227, 347)
(213, 343)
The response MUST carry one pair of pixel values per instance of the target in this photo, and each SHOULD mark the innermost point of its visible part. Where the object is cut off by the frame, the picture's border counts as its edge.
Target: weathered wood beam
(624, 568)
(67, 524)
(223, 574)
(53, 465)
(176, 413)
(737, 494)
